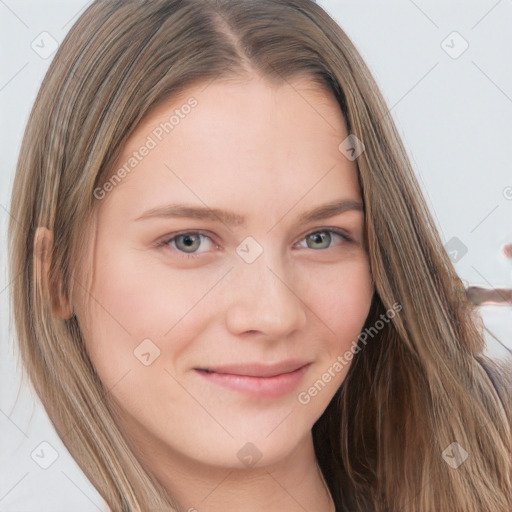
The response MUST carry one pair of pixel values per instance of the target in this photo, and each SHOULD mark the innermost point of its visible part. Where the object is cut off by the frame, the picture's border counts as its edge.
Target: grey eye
(188, 242)
(320, 237)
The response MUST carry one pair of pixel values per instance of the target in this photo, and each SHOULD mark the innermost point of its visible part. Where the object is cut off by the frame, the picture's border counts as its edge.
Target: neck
(293, 484)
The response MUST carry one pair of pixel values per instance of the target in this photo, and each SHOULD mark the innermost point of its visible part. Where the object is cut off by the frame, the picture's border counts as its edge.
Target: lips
(257, 380)
(257, 369)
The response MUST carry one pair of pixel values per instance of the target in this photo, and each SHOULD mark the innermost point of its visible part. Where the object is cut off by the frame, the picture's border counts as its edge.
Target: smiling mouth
(257, 380)
(257, 369)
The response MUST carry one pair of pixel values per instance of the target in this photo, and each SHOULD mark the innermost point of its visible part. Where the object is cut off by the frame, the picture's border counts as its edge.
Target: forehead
(241, 111)
(236, 141)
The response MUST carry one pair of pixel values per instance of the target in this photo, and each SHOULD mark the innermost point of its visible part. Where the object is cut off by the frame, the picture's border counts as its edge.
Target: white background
(453, 114)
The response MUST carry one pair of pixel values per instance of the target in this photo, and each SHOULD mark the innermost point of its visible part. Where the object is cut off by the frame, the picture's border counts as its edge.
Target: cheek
(138, 288)
(341, 298)
(133, 299)
(131, 289)
(341, 307)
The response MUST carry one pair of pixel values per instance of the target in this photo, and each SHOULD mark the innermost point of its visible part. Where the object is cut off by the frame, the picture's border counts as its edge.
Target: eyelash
(167, 240)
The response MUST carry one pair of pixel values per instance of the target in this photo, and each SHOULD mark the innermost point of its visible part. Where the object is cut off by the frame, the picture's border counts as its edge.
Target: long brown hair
(418, 386)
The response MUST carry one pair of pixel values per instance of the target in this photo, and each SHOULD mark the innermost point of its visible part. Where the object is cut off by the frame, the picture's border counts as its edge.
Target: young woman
(230, 294)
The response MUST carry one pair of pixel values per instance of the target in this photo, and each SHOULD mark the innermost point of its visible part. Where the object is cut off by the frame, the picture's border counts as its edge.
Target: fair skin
(269, 153)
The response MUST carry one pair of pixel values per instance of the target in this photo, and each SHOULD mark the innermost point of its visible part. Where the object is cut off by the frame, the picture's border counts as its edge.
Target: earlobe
(43, 243)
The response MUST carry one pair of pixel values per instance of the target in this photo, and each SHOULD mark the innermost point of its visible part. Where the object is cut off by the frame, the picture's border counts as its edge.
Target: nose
(263, 300)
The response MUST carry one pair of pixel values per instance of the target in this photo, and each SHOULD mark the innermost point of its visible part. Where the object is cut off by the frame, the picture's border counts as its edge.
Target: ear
(43, 243)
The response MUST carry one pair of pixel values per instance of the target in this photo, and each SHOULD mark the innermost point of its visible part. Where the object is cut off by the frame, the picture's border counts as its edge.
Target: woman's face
(265, 296)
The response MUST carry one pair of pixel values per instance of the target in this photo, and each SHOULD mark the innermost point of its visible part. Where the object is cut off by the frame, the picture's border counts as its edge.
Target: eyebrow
(235, 219)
